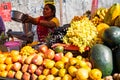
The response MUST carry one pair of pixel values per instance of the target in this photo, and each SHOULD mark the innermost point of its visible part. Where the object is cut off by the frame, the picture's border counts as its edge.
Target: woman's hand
(26, 18)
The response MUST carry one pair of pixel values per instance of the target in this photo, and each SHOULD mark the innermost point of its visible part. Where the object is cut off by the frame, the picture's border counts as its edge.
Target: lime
(59, 49)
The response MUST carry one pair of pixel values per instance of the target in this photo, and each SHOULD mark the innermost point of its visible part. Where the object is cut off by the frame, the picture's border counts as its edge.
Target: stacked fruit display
(46, 64)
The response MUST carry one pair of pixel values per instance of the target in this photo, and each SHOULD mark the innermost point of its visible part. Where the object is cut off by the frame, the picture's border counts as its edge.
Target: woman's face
(47, 12)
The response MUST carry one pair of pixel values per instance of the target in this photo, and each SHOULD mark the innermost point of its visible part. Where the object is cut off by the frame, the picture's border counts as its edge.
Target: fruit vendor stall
(88, 48)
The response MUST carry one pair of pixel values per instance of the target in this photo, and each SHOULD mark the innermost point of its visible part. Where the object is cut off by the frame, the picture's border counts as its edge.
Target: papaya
(101, 58)
(111, 14)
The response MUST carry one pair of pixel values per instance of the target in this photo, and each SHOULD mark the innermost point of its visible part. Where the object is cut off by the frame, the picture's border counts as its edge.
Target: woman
(46, 23)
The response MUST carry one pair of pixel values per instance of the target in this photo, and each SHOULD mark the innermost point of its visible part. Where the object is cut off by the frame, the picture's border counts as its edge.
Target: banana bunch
(101, 12)
(99, 15)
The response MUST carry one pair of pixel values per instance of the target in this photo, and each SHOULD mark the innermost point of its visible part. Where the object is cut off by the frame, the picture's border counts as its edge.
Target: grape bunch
(57, 35)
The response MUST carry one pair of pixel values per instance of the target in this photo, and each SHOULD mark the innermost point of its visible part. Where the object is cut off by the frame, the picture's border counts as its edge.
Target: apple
(42, 54)
(26, 76)
(58, 56)
(25, 67)
(22, 59)
(32, 68)
(16, 66)
(11, 74)
(28, 60)
(39, 70)
(18, 75)
(8, 67)
(50, 54)
(37, 59)
(43, 48)
(34, 77)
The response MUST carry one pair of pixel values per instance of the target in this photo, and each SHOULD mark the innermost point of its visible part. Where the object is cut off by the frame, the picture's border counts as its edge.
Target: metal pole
(61, 15)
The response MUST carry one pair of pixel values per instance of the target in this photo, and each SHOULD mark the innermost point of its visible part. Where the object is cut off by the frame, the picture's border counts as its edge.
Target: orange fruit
(95, 74)
(2, 59)
(82, 74)
(62, 72)
(4, 73)
(69, 54)
(8, 60)
(14, 53)
(8, 67)
(15, 58)
(73, 61)
(67, 77)
(2, 67)
(59, 64)
(72, 70)
(65, 59)
(54, 71)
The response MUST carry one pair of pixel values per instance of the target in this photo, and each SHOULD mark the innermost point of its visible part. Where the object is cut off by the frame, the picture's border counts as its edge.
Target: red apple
(43, 48)
(16, 66)
(37, 59)
(34, 77)
(26, 76)
(22, 59)
(58, 56)
(50, 54)
(11, 74)
(42, 54)
(39, 70)
(28, 60)
(32, 68)
(25, 67)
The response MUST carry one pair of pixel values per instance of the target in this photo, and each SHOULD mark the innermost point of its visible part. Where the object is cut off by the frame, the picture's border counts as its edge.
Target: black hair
(52, 7)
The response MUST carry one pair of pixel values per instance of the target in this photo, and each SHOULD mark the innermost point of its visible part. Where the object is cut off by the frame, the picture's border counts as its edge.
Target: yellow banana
(98, 12)
(101, 16)
(103, 12)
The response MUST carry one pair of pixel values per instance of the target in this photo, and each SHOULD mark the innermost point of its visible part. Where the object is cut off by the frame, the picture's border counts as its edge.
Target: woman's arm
(33, 20)
(47, 23)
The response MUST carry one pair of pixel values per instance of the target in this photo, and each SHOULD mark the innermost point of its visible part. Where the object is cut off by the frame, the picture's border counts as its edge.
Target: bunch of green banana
(101, 12)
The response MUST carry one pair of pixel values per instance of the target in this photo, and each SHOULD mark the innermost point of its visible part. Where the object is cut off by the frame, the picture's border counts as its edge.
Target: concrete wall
(70, 8)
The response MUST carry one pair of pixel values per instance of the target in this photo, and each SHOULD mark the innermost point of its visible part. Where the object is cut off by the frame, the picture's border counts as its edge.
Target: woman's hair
(52, 7)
